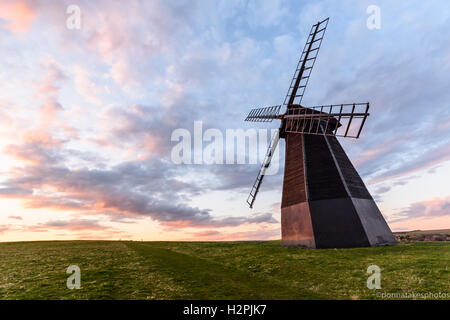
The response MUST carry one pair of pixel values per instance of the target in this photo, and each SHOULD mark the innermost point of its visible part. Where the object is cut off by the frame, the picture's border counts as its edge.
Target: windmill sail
(263, 114)
(266, 163)
(305, 64)
(341, 120)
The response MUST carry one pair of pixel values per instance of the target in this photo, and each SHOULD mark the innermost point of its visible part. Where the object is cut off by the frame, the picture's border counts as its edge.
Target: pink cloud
(206, 233)
(105, 235)
(259, 234)
(431, 208)
(70, 225)
(261, 218)
(19, 15)
(77, 228)
(15, 217)
(85, 86)
(36, 143)
(4, 228)
(28, 154)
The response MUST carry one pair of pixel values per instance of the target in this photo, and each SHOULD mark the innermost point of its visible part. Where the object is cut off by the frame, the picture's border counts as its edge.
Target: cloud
(74, 225)
(237, 221)
(382, 189)
(143, 128)
(48, 87)
(258, 234)
(15, 217)
(206, 233)
(104, 235)
(154, 31)
(80, 228)
(13, 192)
(255, 218)
(436, 207)
(134, 189)
(34, 153)
(266, 13)
(4, 228)
(18, 15)
(433, 156)
(389, 184)
(85, 86)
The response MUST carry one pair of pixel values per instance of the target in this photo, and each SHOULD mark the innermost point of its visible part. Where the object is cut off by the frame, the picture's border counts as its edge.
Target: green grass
(217, 270)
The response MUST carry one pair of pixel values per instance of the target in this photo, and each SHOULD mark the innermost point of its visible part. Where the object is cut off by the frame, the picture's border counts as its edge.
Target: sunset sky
(86, 115)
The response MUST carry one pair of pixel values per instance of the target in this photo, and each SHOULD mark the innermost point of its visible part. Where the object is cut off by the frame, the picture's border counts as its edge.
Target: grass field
(217, 270)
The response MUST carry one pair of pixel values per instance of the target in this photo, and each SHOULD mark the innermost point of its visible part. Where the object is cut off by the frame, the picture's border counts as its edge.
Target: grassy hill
(438, 231)
(424, 235)
(217, 270)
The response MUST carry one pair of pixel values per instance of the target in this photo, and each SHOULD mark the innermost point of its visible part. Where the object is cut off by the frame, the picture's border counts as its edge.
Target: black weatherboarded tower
(325, 203)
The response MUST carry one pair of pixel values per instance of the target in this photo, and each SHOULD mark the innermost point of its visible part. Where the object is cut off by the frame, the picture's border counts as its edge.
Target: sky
(87, 114)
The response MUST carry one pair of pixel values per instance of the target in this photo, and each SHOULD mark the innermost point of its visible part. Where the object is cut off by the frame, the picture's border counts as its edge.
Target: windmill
(325, 203)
